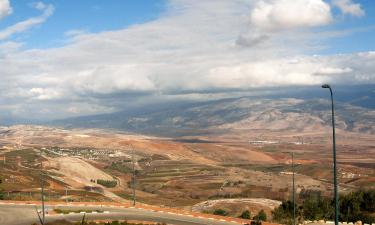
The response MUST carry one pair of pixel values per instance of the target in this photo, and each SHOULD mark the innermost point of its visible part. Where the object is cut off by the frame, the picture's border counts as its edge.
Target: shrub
(284, 213)
(220, 212)
(246, 215)
(261, 216)
(107, 183)
(1, 194)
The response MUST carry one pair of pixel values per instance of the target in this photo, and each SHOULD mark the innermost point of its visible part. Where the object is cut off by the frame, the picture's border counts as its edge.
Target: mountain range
(299, 110)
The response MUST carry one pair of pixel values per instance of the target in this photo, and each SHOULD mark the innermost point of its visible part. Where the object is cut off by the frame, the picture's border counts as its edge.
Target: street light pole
(294, 192)
(42, 186)
(336, 194)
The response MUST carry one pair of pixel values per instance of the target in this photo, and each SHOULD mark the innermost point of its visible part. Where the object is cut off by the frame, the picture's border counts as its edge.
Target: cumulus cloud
(195, 47)
(271, 15)
(28, 23)
(349, 7)
(44, 93)
(5, 8)
(333, 70)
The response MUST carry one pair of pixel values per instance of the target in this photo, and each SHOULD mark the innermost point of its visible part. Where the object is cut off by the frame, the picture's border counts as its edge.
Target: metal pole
(294, 193)
(335, 184)
(42, 186)
(133, 160)
(334, 163)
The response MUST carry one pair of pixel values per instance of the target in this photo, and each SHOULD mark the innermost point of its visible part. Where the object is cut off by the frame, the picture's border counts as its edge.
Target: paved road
(26, 215)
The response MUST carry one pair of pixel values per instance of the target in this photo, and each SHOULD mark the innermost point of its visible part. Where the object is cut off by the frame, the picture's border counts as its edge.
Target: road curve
(26, 215)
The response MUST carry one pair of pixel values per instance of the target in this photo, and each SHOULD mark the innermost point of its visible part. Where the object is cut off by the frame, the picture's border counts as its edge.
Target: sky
(66, 58)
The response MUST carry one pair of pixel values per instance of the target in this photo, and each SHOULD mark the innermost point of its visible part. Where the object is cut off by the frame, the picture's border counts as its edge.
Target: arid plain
(244, 164)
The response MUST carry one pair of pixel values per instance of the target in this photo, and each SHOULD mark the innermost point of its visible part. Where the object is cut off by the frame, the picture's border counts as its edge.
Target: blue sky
(356, 41)
(86, 15)
(97, 15)
(67, 58)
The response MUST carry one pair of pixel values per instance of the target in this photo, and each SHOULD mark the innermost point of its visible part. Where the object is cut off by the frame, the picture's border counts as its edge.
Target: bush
(220, 212)
(284, 213)
(261, 216)
(256, 223)
(1, 194)
(107, 183)
(246, 215)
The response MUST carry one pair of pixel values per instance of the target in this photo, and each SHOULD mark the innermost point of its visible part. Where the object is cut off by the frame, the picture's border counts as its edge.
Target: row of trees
(107, 183)
(355, 206)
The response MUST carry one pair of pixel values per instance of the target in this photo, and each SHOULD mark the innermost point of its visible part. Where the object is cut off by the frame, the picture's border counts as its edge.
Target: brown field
(183, 172)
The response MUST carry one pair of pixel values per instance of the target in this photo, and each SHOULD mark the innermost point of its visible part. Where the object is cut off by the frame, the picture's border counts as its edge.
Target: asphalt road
(26, 215)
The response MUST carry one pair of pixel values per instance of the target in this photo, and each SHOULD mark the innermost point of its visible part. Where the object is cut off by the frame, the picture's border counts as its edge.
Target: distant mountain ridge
(284, 114)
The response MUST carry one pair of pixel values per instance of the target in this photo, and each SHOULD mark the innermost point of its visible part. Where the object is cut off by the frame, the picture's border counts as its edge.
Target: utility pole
(66, 195)
(133, 161)
(294, 192)
(42, 186)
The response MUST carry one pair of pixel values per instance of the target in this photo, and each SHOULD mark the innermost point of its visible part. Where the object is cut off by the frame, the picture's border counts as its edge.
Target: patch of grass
(67, 211)
(120, 167)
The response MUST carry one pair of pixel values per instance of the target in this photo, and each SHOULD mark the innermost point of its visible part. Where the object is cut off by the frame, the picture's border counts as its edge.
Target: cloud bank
(194, 47)
(5, 9)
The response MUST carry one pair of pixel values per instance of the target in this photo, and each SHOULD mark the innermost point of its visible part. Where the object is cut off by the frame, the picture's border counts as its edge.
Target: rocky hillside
(285, 114)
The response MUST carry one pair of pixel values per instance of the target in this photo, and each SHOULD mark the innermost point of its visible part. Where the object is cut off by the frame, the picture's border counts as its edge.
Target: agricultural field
(88, 165)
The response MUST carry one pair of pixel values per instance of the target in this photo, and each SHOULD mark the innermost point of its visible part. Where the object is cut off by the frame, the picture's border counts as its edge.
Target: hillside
(177, 172)
(285, 114)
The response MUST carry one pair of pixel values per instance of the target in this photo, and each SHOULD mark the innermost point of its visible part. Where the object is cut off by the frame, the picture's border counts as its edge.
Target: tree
(316, 207)
(368, 203)
(358, 205)
(284, 213)
(354, 206)
(246, 215)
(261, 216)
(107, 183)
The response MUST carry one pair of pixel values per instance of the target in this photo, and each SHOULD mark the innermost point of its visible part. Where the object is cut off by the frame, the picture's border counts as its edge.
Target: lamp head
(325, 86)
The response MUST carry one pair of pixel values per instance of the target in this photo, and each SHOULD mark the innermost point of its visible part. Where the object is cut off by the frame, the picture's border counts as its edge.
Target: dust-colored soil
(236, 206)
(77, 169)
(183, 172)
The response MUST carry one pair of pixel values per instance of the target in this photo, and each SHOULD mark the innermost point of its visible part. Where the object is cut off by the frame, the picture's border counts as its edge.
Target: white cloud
(5, 8)
(193, 48)
(39, 5)
(333, 70)
(44, 93)
(9, 47)
(349, 7)
(28, 23)
(75, 32)
(271, 15)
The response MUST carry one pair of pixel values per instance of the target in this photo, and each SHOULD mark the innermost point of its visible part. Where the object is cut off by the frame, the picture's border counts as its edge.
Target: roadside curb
(127, 206)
